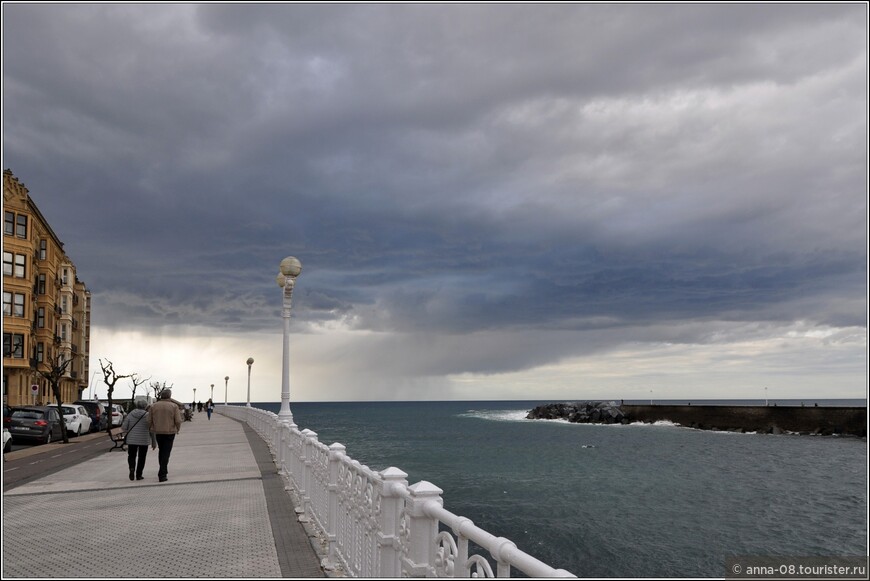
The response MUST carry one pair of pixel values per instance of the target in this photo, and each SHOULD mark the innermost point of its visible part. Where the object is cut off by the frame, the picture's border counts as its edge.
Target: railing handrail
(374, 523)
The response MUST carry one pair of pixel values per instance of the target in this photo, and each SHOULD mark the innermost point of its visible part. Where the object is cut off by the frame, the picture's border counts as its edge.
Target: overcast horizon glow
(513, 201)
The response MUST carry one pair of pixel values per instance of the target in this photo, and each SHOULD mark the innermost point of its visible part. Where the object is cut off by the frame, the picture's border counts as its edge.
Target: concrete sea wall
(769, 419)
(763, 419)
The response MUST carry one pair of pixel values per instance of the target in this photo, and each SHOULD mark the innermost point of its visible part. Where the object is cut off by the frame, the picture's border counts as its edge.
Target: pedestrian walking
(209, 407)
(164, 420)
(138, 436)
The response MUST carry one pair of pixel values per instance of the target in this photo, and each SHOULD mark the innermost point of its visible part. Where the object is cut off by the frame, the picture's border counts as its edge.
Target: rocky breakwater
(824, 421)
(581, 412)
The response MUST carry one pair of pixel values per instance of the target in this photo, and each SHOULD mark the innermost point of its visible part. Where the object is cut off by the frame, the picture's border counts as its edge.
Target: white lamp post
(250, 362)
(226, 388)
(212, 393)
(290, 268)
(194, 395)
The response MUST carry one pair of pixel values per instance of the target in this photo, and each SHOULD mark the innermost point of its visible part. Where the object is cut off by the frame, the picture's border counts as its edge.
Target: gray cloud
(452, 169)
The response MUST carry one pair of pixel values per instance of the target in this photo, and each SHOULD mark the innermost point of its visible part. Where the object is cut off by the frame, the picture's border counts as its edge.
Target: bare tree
(56, 368)
(158, 388)
(136, 381)
(110, 378)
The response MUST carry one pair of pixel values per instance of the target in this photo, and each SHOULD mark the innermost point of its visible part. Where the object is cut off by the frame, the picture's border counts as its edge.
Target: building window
(40, 352)
(9, 223)
(41, 288)
(21, 226)
(64, 305)
(18, 305)
(20, 265)
(65, 276)
(43, 249)
(40, 318)
(13, 345)
(13, 304)
(7, 264)
(63, 332)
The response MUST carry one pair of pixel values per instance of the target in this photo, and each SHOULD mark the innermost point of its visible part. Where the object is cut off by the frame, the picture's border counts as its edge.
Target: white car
(117, 414)
(76, 418)
(7, 441)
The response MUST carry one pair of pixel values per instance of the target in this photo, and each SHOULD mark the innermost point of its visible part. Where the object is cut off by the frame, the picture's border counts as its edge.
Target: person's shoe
(162, 479)
(140, 477)
(131, 475)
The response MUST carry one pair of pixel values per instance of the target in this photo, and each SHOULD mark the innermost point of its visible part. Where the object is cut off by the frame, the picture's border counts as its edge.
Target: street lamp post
(289, 269)
(194, 395)
(226, 388)
(212, 393)
(249, 362)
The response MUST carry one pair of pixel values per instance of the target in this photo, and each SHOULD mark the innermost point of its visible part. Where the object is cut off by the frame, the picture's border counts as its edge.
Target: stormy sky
(489, 201)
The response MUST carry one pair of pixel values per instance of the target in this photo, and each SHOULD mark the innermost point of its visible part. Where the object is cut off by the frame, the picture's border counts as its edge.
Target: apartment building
(46, 308)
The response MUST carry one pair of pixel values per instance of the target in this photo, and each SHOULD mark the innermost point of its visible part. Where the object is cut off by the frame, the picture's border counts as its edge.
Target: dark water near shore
(616, 501)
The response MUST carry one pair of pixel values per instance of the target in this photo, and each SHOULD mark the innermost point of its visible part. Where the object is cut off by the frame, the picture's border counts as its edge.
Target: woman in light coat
(138, 438)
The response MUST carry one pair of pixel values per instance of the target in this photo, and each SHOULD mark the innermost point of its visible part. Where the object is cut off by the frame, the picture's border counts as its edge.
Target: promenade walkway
(222, 513)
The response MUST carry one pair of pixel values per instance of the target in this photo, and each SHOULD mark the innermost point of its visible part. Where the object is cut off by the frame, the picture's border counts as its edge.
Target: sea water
(616, 500)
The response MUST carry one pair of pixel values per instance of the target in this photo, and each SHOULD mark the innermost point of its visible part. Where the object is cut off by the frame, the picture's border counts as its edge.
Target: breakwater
(817, 420)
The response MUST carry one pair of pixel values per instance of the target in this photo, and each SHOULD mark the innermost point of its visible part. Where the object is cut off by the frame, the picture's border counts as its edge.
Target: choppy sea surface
(616, 500)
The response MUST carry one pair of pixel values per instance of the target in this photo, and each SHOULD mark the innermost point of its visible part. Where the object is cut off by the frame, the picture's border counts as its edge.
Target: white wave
(496, 415)
(658, 423)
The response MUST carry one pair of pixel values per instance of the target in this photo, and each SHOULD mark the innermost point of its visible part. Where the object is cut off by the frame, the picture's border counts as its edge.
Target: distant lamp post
(194, 395)
(289, 268)
(249, 362)
(212, 393)
(226, 388)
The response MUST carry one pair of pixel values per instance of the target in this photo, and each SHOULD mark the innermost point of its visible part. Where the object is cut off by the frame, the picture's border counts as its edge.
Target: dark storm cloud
(446, 168)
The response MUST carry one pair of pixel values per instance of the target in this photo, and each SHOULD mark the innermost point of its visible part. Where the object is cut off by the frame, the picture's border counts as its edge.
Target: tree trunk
(55, 388)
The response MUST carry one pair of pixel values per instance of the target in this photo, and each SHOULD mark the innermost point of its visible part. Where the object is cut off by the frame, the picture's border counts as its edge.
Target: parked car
(97, 411)
(77, 420)
(7, 441)
(39, 423)
(117, 414)
(7, 413)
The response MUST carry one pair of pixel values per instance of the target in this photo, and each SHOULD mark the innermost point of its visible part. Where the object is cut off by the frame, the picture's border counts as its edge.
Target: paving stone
(211, 519)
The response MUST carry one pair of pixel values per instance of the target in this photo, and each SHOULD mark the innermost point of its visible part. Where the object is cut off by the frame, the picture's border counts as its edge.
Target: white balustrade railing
(373, 523)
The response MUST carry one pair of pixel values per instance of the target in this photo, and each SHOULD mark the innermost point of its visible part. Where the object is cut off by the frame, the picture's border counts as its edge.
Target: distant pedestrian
(164, 419)
(209, 407)
(199, 407)
(138, 436)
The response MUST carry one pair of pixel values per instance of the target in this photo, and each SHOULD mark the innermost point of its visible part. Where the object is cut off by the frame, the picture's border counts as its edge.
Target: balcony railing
(373, 523)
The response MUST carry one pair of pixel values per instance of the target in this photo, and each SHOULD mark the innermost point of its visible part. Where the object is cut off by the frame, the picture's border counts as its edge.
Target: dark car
(97, 411)
(36, 423)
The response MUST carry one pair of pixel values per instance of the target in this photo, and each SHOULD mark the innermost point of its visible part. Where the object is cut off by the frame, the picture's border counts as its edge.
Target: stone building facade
(46, 308)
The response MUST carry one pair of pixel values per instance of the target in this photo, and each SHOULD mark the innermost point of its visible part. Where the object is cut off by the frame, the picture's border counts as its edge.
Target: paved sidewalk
(217, 516)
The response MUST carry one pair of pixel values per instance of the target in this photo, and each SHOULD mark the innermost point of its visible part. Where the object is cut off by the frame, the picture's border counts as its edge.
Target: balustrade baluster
(422, 529)
(389, 558)
(336, 453)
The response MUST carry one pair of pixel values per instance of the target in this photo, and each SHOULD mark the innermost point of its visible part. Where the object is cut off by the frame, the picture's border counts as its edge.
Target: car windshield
(69, 410)
(27, 414)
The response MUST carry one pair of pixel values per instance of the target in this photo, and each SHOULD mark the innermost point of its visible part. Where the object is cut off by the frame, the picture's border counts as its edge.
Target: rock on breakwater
(763, 419)
(581, 412)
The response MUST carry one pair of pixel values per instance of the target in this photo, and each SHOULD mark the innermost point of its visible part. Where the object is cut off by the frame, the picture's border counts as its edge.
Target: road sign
(34, 389)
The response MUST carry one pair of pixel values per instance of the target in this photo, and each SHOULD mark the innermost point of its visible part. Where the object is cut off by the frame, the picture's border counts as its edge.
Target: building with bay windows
(46, 308)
